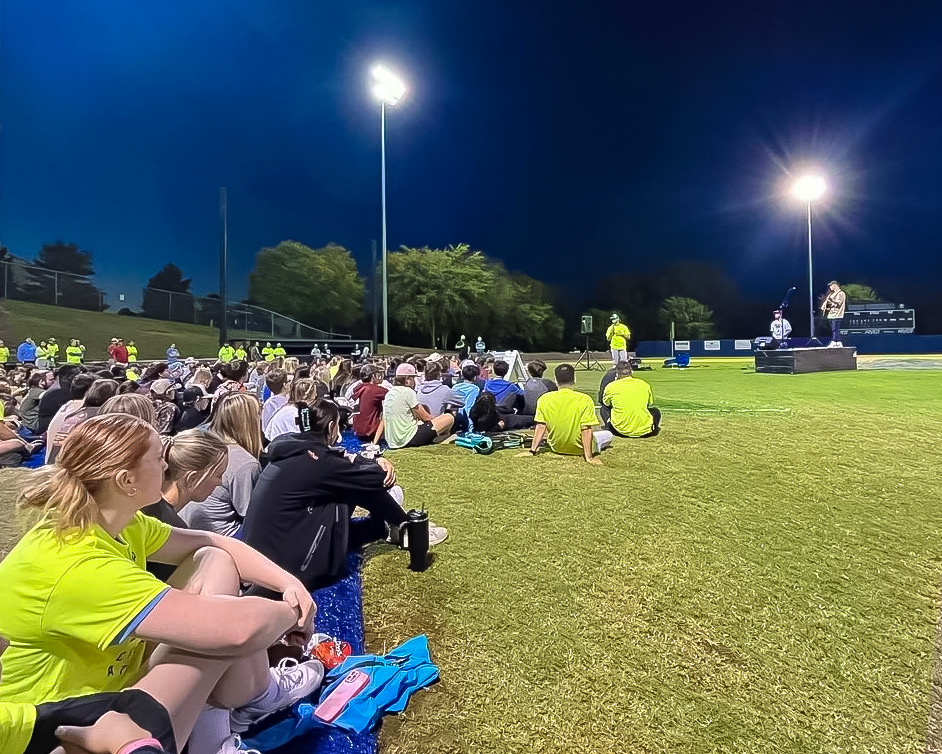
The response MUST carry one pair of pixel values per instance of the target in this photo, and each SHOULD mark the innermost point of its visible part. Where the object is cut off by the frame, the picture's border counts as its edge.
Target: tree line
(435, 296)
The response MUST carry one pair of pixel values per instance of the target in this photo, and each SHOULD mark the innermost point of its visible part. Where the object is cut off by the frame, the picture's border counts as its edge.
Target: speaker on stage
(586, 324)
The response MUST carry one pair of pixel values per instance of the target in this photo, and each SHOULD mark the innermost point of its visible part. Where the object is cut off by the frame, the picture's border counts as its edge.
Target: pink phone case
(336, 700)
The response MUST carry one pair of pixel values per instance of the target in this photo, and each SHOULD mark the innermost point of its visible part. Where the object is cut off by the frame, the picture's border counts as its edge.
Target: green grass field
(20, 319)
(763, 576)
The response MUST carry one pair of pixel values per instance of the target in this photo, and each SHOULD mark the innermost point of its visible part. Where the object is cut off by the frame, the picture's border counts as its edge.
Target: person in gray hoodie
(437, 397)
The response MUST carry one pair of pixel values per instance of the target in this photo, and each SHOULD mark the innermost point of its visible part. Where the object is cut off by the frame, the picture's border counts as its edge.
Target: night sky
(570, 140)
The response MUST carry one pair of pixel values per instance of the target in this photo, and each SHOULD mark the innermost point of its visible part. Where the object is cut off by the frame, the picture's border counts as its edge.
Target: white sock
(397, 494)
(266, 698)
(210, 731)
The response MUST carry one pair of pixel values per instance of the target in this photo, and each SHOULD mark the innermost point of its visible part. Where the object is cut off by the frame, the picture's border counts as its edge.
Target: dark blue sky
(570, 140)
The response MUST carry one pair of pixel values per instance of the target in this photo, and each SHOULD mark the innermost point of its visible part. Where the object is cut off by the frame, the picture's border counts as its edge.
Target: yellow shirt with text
(65, 605)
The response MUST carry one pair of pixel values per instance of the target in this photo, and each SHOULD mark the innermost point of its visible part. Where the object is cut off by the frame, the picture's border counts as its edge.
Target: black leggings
(383, 509)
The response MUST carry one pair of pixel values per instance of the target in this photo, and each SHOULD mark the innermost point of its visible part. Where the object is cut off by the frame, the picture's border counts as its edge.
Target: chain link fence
(244, 321)
(23, 281)
(29, 282)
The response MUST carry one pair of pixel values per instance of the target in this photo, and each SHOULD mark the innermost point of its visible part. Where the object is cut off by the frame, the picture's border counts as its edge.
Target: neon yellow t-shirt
(565, 412)
(617, 336)
(16, 726)
(66, 604)
(629, 399)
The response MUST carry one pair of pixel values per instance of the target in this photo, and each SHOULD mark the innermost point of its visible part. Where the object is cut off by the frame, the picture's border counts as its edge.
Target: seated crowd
(185, 515)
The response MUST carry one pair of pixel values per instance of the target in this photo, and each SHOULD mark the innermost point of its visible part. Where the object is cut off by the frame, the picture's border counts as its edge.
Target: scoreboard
(874, 321)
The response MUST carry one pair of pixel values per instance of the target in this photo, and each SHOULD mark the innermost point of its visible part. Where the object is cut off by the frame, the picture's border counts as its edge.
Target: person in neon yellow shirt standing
(279, 352)
(630, 400)
(268, 352)
(132, 352)
(565, 417)
(240, 353)
(75, 353)
(226, 353)
(52, 351)
(4, 353)
(617, 336)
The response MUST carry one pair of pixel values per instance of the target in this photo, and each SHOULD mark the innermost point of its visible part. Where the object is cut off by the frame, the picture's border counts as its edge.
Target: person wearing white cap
(406, 423)
(617, 336)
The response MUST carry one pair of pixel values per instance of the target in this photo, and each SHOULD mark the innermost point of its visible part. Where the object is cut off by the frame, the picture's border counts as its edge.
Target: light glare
(387, 86)
(808, 188)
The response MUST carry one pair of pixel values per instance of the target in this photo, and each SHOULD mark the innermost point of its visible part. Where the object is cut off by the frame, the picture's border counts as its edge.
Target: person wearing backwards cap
(406, 423)
(617, 336)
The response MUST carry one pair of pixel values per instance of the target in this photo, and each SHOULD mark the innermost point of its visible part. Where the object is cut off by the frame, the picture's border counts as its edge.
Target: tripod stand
(586, 363)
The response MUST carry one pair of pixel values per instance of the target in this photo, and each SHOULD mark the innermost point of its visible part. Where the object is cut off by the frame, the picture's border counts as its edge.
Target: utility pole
(223, 266)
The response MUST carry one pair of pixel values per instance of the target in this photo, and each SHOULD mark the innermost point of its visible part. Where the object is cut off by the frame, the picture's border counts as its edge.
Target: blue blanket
(339, 614)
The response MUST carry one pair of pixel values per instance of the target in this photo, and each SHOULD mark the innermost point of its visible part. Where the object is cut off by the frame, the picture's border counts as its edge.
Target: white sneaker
(233, 745)
(436, 535)
(295, 680)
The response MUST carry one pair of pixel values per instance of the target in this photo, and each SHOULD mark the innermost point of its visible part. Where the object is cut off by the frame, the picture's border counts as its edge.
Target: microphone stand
(784, 307)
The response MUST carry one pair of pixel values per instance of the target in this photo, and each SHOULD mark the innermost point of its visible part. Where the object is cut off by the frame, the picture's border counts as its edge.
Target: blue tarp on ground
(339, 614)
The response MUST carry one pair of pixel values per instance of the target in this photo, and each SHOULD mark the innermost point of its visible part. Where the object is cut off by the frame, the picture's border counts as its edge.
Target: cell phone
(352, 684)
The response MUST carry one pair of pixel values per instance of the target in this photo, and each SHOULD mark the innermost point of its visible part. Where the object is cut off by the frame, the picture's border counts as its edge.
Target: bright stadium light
(809, 188)
(388, 88)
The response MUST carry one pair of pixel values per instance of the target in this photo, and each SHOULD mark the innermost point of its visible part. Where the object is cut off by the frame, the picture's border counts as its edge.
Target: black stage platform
(806, 360)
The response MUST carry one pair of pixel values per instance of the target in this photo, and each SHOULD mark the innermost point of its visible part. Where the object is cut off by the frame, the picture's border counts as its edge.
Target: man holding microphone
(617, 336)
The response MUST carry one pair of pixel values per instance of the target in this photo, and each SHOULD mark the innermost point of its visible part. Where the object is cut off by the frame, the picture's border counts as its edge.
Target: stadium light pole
(809, 188)
(388, 88)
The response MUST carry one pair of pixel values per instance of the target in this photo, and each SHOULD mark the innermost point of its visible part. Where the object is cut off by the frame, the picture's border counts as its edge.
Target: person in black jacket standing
(299, 515)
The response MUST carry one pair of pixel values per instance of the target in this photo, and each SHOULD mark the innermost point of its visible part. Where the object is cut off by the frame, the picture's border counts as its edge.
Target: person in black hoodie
(301, 506)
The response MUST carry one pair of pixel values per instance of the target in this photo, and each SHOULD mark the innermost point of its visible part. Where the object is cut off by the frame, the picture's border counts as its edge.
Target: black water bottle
(417, 526)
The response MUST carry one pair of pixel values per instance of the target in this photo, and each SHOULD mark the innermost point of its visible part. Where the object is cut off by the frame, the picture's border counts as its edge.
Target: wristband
(141, 743)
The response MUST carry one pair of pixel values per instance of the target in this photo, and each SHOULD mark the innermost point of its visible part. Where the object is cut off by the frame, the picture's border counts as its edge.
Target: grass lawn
(21, 319)
(763, 576)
